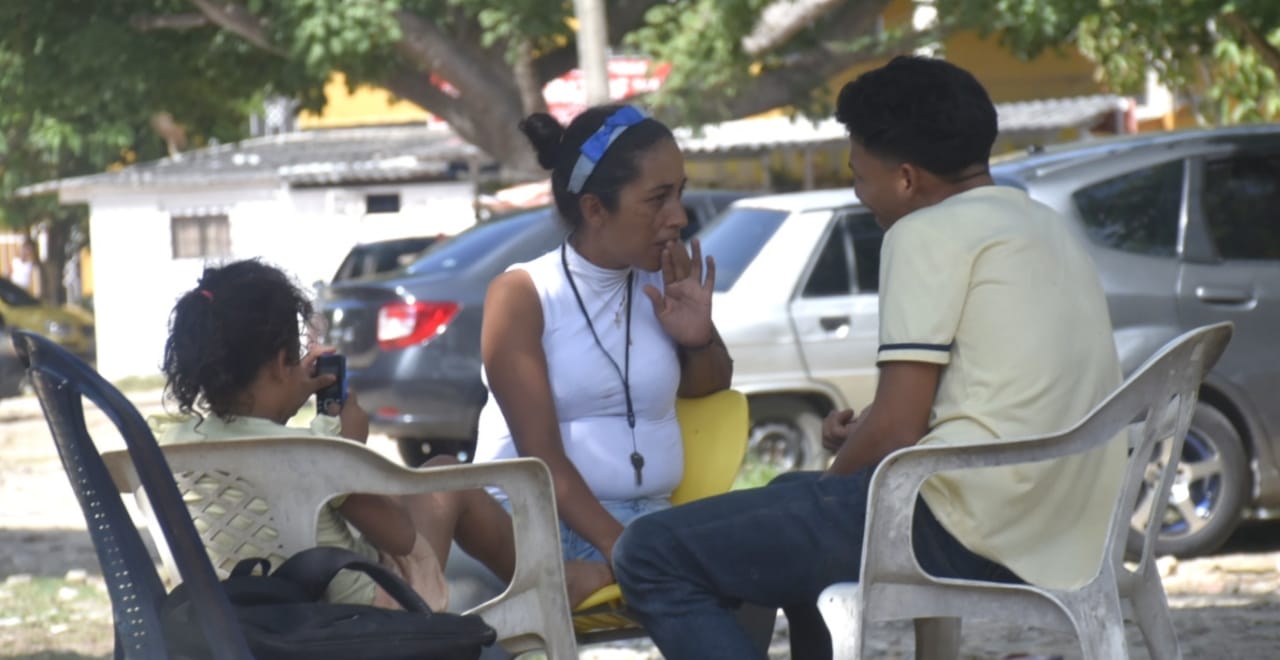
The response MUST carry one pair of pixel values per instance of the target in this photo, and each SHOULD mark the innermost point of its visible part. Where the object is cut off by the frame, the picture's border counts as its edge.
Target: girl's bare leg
(583, 578)
(483, 529)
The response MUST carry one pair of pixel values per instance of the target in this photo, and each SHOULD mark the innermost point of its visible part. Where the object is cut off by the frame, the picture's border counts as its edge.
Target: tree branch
(148, 23)
(488, 106)
(416, 87)
(238, 20)
(1269, 53)
(802, 72)
(531, 98)
(780, 21)
(429, 49)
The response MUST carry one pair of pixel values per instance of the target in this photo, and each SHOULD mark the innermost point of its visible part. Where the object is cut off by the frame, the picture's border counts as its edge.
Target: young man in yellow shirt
(993, 324)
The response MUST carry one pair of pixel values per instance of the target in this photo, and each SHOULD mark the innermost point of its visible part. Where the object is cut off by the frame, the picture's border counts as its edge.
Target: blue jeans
(684, 569)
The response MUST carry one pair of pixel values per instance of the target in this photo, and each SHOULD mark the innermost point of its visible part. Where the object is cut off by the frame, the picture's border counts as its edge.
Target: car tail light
(404, 324)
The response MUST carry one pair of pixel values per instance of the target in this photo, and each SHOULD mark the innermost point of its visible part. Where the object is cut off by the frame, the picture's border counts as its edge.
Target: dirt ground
(53, 603)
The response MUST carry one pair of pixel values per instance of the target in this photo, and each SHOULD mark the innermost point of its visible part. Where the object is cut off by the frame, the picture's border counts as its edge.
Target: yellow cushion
(606, 594)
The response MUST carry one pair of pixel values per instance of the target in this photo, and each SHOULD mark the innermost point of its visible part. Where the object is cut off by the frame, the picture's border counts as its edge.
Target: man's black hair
(922, 111)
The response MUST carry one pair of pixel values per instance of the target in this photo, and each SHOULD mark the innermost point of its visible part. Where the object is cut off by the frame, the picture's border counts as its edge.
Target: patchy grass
(55, 618)
(140, 383)
(754, 474)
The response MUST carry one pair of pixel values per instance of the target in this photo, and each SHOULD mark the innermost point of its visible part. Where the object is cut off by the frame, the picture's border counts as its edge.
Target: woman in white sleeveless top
(586, 348)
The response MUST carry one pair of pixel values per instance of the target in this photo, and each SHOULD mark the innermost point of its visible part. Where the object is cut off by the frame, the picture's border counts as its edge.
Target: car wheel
(1209, 489)
(786, 434)
(416, 451)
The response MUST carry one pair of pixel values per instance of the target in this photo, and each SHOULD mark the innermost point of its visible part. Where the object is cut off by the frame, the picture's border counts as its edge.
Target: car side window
(1241, 205)
(867, 237)
(1135, 212)
(831, 274)
(850, 258)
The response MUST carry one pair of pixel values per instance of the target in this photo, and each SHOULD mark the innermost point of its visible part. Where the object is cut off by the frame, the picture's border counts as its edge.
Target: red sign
(567, 95)
(628, 76)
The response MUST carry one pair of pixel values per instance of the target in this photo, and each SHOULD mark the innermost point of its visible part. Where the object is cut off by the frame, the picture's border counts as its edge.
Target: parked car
(369, 259)
(13, 375)
(71, 327)
(1183, 228)
(412, 336)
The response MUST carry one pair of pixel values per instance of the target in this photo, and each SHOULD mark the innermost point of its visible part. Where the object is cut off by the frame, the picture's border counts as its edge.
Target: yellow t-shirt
(993, 286)
(331, 527)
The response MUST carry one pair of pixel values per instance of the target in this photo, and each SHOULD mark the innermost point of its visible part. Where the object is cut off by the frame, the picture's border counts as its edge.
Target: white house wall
(135, 284)
(306, 232)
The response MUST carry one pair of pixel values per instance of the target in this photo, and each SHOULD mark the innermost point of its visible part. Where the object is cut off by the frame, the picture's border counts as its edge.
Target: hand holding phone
(329, 400)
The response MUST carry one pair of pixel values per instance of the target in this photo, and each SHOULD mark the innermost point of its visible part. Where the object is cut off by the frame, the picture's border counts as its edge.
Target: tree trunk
(57, 232)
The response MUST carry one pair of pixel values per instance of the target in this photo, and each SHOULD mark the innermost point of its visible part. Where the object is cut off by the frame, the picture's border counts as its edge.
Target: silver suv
(1184, 228)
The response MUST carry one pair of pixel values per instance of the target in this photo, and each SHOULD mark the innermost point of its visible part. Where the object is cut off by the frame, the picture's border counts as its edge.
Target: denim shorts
(577, 547)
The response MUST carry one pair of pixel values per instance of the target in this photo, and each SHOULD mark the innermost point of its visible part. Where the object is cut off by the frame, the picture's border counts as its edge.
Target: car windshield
(735, 238)
(15, 296)
(373, 258)
(471, 245)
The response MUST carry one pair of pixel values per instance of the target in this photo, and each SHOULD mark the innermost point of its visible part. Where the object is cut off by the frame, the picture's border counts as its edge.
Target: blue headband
(593, 149)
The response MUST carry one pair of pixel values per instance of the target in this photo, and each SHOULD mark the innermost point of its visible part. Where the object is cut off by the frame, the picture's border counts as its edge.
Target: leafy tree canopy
(84, 79)
(1221, 55)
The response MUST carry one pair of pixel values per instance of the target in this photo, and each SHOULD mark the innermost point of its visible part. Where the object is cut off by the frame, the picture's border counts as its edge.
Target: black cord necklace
(624, 372)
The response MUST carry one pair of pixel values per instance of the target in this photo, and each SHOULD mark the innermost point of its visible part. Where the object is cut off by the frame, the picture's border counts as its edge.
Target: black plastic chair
(60, 379)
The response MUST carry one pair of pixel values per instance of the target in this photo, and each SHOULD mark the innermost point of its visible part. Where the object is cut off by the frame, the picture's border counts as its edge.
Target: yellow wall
(367, 105)
(1007, 78)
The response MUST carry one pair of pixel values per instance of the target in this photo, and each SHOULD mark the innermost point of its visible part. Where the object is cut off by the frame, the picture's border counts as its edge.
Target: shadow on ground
(1254, 537)
(46, 552)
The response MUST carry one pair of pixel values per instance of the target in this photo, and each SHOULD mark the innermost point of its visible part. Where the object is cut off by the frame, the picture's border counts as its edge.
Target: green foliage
(81, 79)
(1222, 56)
(80, 86)
(702, 39)
(326, 35)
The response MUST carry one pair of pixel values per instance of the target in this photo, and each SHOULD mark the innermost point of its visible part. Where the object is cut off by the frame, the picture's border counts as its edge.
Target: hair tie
(591, 151)
(206, 293)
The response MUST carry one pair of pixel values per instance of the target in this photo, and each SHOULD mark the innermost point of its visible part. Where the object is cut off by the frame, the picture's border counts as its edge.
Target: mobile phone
(330, 399)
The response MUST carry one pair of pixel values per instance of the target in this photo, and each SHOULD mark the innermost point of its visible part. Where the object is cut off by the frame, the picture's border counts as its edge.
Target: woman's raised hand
(684, 308)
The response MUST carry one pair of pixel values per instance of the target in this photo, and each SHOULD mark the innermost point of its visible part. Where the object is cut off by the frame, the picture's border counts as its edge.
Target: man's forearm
(866, 447)
(897, 418)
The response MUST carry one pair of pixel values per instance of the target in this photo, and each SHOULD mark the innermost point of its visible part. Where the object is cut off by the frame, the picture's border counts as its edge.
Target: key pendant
(637, 462)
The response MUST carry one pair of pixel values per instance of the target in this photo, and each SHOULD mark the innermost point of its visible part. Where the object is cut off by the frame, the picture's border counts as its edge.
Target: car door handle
(1224, 295)
(833, 323)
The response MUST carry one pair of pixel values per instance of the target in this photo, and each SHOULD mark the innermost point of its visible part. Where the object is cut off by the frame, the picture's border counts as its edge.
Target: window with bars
(196, 237)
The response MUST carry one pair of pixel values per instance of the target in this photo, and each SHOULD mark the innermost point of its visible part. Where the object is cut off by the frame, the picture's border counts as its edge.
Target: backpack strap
(246, 566)
(313, 568)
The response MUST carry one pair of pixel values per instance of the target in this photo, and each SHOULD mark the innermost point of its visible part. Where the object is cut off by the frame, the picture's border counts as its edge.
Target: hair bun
(545, 134)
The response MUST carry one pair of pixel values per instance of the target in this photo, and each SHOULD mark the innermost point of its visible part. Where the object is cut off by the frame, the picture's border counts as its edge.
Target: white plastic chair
(1158, 400)
(267, 493)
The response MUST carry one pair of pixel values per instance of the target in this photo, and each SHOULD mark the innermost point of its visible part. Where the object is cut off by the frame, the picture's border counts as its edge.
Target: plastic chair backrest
(1152, 408)
(60, 380)
(714, 428)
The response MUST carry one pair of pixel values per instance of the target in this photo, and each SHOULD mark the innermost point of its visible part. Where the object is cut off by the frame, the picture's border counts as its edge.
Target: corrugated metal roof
(314, 157)
(398, 153)
(758, 135)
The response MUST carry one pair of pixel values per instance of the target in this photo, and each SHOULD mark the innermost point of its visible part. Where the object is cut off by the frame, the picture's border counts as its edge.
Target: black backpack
(284, 616)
